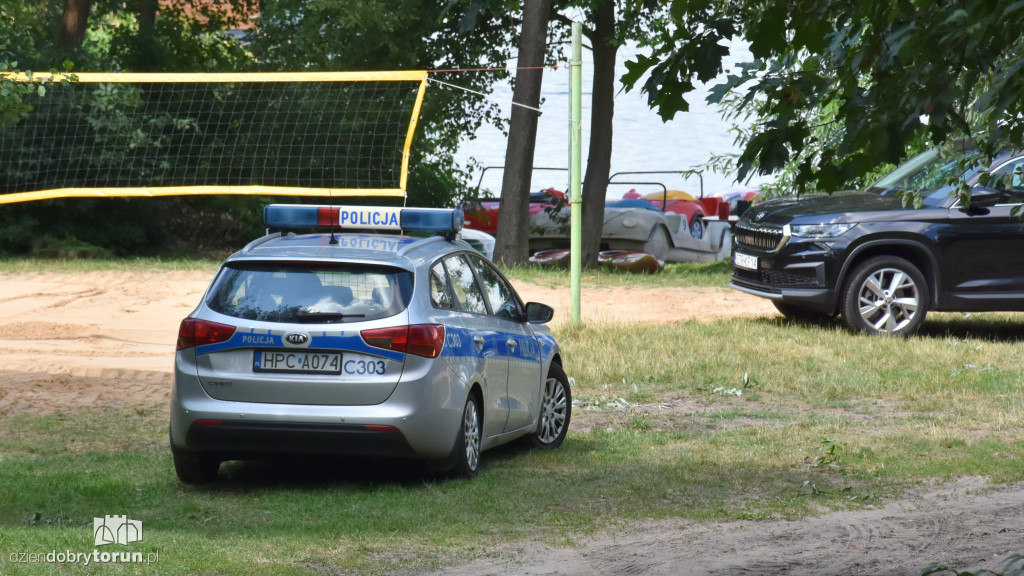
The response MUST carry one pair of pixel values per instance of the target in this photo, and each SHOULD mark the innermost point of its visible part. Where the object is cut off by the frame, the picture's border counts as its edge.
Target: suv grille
(763, 237)
(768, 278)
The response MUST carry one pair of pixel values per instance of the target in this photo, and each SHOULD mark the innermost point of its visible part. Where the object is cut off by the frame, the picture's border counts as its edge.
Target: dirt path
(107, 338)
(960, 525)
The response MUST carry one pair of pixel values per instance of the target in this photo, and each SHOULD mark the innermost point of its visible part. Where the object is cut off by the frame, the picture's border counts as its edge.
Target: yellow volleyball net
(281, 134)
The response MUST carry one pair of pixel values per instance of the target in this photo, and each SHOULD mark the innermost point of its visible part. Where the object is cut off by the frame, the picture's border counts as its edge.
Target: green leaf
(958, 17)
(679, 9)
(718, 92)
(636, 69)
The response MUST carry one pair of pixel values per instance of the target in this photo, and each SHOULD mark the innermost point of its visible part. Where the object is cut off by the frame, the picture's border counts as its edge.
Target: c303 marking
(365, 367)
(452, 339)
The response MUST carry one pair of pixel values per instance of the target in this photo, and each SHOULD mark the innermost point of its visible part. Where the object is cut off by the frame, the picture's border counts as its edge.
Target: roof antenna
(334, 239)
(330, 200)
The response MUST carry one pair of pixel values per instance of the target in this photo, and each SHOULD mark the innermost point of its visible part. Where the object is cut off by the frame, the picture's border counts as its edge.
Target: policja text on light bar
(363, 217)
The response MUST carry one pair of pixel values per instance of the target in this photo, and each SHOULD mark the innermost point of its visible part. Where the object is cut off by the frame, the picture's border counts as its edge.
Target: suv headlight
(819, 230)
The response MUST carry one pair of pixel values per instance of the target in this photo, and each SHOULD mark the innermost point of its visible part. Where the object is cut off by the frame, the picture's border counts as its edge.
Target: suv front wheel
(886, 295)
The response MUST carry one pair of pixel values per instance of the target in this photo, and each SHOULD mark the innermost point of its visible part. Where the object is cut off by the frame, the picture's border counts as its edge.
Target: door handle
(512, 343)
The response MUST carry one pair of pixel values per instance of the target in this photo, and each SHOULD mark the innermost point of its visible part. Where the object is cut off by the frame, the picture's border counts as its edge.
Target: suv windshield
(310, 292)
(929, 173)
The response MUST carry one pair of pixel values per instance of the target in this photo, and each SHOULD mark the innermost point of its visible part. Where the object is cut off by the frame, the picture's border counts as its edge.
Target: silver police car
(360, 343)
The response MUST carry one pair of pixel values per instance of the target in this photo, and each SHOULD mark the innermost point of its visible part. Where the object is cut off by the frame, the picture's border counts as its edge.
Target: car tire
(468, 442)
(886, 295)
(658, 243)
(555, 410)
(195, 468)
(801, 314)
(697, 227)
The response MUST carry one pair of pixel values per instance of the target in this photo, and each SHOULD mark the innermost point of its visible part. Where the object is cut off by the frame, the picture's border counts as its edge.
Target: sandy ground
(107, 338)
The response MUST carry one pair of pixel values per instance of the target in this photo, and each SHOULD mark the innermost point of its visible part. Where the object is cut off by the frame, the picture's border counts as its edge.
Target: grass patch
(289, 517)
(675, 275)
(972, 376)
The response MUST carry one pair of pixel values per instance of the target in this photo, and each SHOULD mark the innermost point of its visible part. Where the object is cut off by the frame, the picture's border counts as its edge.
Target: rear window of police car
(315, 293)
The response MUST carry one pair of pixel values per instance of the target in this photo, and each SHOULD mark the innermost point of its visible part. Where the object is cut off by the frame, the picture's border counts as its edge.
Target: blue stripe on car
(345, 342)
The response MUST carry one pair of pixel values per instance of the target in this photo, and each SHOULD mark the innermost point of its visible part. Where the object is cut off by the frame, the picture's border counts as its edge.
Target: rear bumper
(230, 440)
(420, 420)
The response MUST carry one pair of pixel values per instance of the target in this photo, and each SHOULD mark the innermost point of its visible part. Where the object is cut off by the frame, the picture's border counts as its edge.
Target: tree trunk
(73, 23)
(147, 57)
(147, 16)
(513, 245)
(599, 155)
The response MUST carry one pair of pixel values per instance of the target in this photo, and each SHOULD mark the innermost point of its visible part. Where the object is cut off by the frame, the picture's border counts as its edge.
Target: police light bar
(447, 220)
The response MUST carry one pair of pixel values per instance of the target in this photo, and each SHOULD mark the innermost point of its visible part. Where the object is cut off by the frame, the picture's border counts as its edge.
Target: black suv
(881, 266)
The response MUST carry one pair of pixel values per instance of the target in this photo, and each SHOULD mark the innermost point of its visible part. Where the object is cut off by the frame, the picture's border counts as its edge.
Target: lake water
(641, 141)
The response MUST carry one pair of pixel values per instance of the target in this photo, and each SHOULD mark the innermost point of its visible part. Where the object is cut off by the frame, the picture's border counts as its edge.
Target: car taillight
(420, 339)
(194, 332)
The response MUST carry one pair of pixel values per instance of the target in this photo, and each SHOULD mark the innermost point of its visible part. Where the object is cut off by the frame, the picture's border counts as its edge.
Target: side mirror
(984, 197)
(537, 313)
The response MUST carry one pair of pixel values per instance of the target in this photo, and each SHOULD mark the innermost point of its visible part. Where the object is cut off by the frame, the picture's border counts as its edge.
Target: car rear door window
(464, 285)
(499, 294)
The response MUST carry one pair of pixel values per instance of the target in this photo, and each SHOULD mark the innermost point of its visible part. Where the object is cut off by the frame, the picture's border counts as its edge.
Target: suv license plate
(745, 261)
(296, 362)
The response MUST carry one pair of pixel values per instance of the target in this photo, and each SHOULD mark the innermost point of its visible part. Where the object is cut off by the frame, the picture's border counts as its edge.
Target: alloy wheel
(471, 431)
(888, 300)
(553, 411)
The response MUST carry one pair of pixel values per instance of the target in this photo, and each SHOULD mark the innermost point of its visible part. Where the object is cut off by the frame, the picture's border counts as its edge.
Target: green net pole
(575, 153)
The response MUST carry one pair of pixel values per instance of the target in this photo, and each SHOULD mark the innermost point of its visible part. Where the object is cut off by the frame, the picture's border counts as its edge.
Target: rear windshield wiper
(324, 317)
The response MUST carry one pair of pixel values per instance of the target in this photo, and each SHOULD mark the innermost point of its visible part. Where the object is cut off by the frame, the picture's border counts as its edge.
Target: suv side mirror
(537, 313)
(984, 197)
